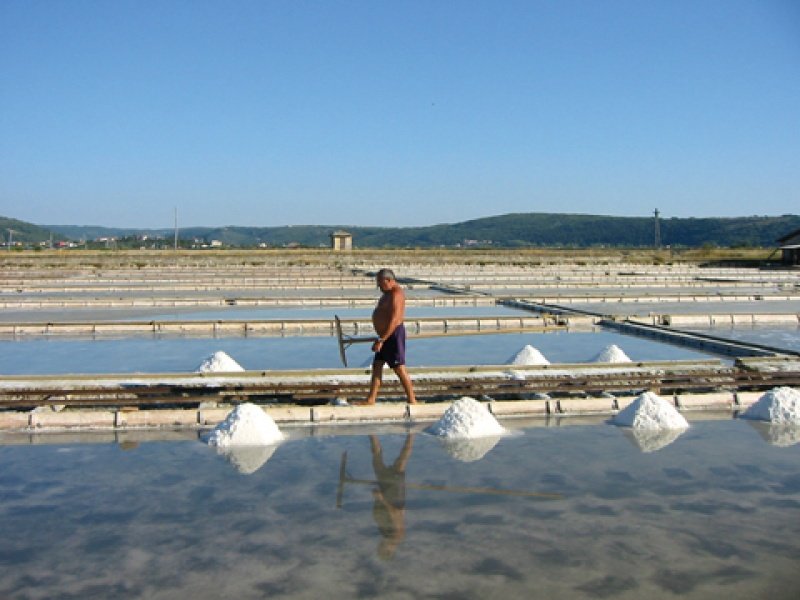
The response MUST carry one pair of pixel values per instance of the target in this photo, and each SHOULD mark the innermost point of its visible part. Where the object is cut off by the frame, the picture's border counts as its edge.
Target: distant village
(339, 240)
(143, 242)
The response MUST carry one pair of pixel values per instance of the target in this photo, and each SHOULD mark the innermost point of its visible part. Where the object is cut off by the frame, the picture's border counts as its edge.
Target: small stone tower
(341, 240)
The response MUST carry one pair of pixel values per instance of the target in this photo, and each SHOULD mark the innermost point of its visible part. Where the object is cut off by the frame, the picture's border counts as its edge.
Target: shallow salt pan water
(243, 313)
(172, 354)
(787, 337)
(712, 514)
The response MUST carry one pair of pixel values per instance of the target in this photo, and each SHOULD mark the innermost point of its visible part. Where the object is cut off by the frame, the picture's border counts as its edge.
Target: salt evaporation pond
(711, 515)
(244, 313)
(38, 355)
(787, 337)
(707, 306)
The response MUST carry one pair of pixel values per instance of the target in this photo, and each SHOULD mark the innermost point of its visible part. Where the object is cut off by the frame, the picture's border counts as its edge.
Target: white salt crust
(245, 425)
(778, 405)
(528, 355)
(467, 418)
(650, 411)
(219, 362)
(612, 354)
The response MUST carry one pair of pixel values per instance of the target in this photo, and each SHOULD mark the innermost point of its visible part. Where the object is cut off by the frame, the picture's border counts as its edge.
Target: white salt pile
(778, 405)
(245, 425)
(219, 362)
(650, 411)
(612, 354)
(528, 355)
(470, 449)
(467, 418)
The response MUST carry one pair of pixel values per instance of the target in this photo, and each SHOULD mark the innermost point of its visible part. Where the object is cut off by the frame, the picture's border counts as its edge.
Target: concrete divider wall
(622, 402)
(459, 325)
(271, 327)
(72, 419)
(722, 400)
(157, 418)
(15, 420)
(427, 412)
(746, 399)
(211, 416)
(391, 411)
(383, 411)
(585, 405)
(502, 408)
(676, 320)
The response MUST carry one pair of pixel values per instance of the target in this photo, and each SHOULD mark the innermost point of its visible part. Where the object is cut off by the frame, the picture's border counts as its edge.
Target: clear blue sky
(378, 112)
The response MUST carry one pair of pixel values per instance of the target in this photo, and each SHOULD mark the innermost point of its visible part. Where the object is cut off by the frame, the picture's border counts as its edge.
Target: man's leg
(402, 375)
(375, 381)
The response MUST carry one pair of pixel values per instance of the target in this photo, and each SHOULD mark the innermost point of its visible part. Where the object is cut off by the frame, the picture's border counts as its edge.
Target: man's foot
(362, 403)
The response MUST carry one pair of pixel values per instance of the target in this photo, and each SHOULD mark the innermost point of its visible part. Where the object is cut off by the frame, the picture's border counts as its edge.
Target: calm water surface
(41, 355)
(573, 510)
(787, 337)
(241, 313)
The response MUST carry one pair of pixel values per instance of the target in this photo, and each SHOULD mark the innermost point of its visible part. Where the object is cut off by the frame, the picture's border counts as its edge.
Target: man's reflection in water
(390, 496)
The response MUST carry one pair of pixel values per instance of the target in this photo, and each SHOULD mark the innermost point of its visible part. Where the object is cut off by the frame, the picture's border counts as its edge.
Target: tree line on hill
(503, 231)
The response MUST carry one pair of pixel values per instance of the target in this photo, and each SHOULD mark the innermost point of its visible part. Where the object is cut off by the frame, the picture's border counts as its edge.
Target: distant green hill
(93, 232)
(25, 233)
(503, 231)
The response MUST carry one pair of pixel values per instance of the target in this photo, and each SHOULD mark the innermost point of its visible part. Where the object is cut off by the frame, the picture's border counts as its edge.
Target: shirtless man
(390, 347)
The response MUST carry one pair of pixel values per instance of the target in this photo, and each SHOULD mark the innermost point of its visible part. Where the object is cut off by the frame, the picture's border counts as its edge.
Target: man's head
(385, 279)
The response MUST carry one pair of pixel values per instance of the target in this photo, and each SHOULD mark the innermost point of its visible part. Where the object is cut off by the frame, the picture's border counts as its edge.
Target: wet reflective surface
(42, 355)
(786, 337)
(577, 509)
(240, 313)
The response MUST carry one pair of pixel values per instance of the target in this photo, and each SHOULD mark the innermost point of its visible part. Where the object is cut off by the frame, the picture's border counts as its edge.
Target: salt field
(565, 509)
(658, 498)
(642, 306)
(244, 313)
(49, 355)
(786, 337)
(417, 300)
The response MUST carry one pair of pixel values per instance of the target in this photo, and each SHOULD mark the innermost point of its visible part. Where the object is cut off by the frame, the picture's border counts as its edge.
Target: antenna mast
(11, 233)
(657, 231)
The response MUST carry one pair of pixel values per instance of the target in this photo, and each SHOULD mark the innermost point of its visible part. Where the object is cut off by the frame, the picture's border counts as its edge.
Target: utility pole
(176, 228)
(11, 233)
(657, 231)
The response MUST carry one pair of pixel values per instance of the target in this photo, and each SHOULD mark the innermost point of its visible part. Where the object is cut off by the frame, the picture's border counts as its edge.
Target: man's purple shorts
(393, 350)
